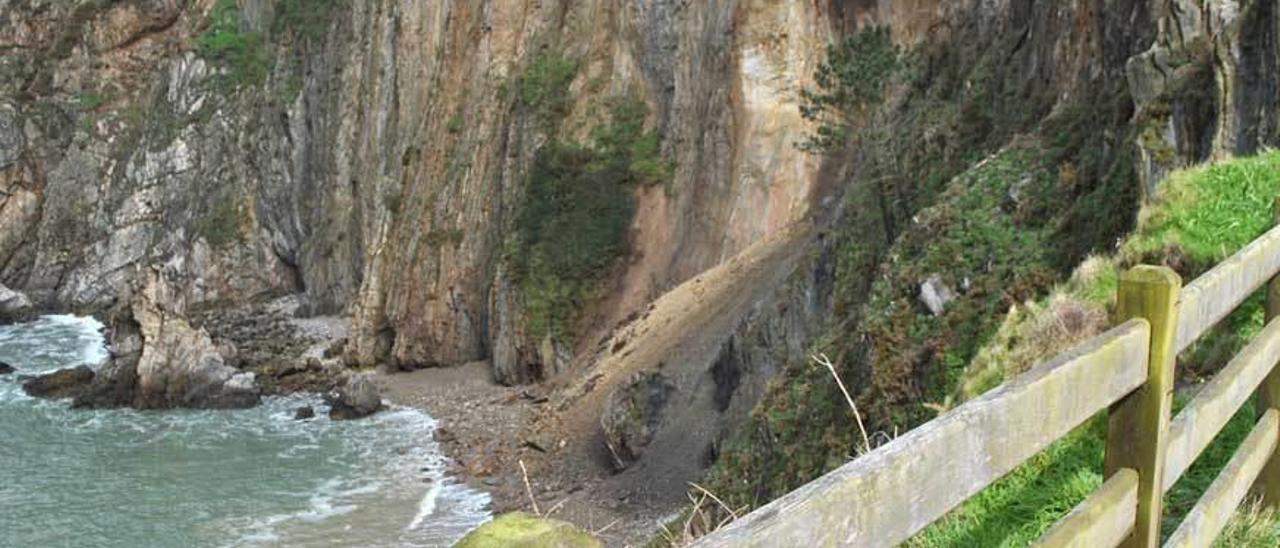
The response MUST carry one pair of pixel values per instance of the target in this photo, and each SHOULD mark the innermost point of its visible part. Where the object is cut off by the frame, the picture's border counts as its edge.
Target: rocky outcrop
(63, 383)
(303, 413)
(14, 305)
(158, 360)
(521, 529)
(633, 414)
(1208, 86)
(356, 398)
(6, 369)
(935, 294)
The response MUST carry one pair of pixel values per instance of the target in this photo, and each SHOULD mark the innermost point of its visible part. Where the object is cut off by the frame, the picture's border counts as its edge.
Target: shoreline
(486, 431)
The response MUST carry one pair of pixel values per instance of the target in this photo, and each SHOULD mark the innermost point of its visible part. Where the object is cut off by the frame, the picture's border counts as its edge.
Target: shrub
(221, 226)
(89, 101)
(574, 221)
(241, 53)
(308, 18)
(850, 81)
(545, 85)
(454, 125)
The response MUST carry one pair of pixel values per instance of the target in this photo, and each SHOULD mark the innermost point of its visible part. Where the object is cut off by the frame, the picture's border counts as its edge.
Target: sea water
(184, 478)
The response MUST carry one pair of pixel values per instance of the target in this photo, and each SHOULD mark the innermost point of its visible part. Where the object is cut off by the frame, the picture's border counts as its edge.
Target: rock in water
(357, 398)
(63, 383)
(303, 413)
(521, 529)
(14, 305)
(159, 360)
(632, 416)
(5, 368)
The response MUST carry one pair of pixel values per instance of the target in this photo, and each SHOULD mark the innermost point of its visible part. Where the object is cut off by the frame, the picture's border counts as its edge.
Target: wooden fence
(893, 492)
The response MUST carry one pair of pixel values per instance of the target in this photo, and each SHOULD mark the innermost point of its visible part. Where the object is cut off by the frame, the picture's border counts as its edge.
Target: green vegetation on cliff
(574, 220)
(309, 18)
(803, 428)
(850, 82)
(1198, 218)
(989, 188)
(240, 52)
(545, 87)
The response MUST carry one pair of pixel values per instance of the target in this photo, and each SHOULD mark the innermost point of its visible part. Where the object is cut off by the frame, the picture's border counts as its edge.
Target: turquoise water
(255, 477)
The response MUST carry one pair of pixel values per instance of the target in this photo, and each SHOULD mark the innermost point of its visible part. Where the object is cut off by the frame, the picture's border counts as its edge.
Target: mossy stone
(522, 530)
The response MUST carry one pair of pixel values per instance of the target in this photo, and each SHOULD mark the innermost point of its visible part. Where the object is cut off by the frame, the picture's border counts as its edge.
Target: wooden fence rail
(890, 494)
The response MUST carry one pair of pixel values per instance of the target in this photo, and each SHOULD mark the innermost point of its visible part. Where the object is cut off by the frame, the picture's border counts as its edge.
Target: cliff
(376, 160)
(590, 193)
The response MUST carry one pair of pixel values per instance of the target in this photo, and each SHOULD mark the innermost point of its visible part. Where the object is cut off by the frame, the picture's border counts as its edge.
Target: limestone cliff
(375, 160)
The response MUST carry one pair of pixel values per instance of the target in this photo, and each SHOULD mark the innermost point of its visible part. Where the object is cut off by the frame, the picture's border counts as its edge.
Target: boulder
(633, 414)
(522, 529)
(356, 398)
(63, 383)
(159, 360)
(5, 368)
(935, 295)
(14, 305)
(303, 413)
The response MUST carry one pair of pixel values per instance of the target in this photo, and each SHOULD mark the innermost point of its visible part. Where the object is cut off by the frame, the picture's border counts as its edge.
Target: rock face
(63, 383)
(14, 305)
(356, 398)
(380, 172)
(160, 361)
(399, 217)
(633, 414)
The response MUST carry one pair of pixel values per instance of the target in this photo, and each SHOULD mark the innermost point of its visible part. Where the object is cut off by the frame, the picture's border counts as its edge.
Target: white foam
(374, 466)
(426, 506)
(88, 331)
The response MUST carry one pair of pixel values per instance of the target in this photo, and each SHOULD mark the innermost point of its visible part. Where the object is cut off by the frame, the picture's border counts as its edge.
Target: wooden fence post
(1268, 484)
(1138, 425)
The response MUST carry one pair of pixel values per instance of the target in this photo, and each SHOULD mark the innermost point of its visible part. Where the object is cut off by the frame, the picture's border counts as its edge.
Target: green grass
(1252, 527)
(1210, 212)
(1200, 217)
(1020, 507)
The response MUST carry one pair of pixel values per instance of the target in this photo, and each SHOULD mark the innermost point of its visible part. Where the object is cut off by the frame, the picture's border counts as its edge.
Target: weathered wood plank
(1215, 294)
(1138, 425)
(1195, 427)
(891, 493)
(1102, 521)
(1268, 484)
(1210, 515)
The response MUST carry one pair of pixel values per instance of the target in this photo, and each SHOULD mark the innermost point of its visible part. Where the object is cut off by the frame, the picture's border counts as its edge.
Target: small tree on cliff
(849, 84)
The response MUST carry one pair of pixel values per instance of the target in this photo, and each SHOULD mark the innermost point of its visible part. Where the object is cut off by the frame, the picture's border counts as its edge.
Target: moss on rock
(522, 530)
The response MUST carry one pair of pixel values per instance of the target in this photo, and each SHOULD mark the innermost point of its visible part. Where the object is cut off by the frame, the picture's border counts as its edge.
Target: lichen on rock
(522, 530)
